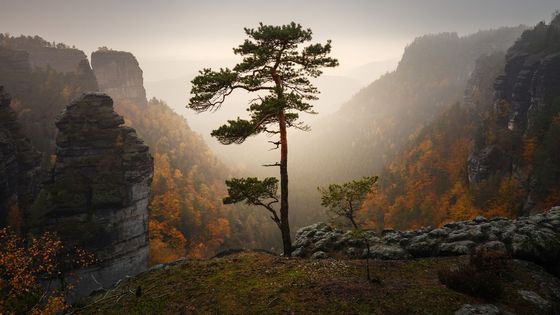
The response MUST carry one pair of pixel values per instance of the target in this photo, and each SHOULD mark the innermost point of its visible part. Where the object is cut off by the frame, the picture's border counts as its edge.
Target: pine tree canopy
(277, 66)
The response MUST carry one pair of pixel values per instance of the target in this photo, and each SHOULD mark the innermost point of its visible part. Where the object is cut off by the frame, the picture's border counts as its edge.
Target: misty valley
(278, 179)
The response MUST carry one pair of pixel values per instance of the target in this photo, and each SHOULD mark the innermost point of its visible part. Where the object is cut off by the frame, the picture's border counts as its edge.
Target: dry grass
(259, 283)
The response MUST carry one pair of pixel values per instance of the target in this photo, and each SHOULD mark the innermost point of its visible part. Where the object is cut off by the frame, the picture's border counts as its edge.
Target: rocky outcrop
(19, 164)
(483, 163)
(43, 54)
(15, 71)
(525, 89)
(532, 74)
(65, 60)
(99, 191)
(480, 309)
(535, 238)
(42, 79)
(119, 75)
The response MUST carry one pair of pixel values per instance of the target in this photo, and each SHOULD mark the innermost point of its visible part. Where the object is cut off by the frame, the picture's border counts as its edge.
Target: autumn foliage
(187, 216)
(427, 183)
(27, 270)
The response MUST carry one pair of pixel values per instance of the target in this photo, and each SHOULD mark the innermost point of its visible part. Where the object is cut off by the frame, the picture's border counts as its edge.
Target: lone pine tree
(276, 66)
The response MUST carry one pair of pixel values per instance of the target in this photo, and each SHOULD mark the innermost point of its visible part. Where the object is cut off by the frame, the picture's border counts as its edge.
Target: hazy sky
(165, 35)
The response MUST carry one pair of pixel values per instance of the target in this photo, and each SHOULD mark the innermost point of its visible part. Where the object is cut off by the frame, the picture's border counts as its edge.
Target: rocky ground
(261, 283)
(535, 238)
(406, 269)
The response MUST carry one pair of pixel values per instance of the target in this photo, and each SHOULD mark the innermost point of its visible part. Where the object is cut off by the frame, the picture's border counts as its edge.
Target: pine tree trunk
(284, 224)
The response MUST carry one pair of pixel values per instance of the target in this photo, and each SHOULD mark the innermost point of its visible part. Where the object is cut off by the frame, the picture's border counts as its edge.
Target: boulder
(319, 255)
(535, 299)
(480, 309)
(456, 248)
(534, 238)
(380, 251)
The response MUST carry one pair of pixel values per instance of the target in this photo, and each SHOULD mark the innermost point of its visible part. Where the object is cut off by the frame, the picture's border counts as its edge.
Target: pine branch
(271, 165)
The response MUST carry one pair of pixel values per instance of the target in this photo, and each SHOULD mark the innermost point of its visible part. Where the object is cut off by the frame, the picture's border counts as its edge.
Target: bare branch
(276, 143)
(270, 165)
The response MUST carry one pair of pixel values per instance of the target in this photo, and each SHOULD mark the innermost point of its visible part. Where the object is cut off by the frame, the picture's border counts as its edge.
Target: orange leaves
(219, 229)
(166, 242)
(16, 264)
(55, 305)
(187, 216)
(426, 184)
(510, 195)
(21, 266)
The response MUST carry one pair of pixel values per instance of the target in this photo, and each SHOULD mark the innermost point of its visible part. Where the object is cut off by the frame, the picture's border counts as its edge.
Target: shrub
(481, 277)
(24, 263)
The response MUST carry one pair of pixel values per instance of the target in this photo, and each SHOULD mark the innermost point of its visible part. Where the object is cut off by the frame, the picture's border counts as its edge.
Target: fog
(172, 40)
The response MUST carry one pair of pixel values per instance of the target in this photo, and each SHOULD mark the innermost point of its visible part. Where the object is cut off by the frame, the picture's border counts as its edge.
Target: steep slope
(119, 75)
(523, 132)
(98, 194)
(42, 79)
(187, 214)
(375, 124)
(495, 153)
(19, 168)
(42, 54)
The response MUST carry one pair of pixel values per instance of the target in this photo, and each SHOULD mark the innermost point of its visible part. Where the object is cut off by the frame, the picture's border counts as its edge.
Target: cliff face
(497, 153)
(521, 127)
(119, 75)
(378, 122)
(65, 60)
(99, 192)
(188, 178)
(43, 54)
(41, 84)
(19, 166)
(15, 71)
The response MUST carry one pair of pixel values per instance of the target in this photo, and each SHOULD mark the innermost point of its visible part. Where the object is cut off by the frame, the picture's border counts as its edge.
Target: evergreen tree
(277, 69)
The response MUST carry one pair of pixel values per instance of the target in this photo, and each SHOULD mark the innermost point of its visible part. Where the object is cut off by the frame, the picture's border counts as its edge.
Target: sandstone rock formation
(119, 75)
(19, 163)
(43, 54)
(65, 60)
(524, 92)
(535, 238)
(99, 191)
(42, 79)
(15, 71)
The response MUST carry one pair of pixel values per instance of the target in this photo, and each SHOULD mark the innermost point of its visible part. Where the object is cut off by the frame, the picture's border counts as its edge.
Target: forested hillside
(374, 125)
(494, 153)
(39, 90)
(187, 214)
